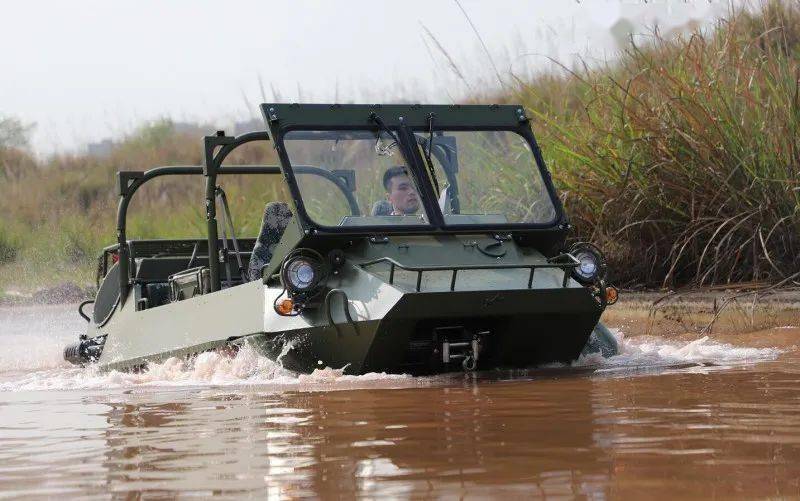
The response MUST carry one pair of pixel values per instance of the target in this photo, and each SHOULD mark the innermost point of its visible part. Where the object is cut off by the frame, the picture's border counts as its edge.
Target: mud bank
(64, 293)
(749, 318)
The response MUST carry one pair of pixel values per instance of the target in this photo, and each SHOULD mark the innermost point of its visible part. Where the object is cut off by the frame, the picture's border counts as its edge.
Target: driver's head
(400, 191)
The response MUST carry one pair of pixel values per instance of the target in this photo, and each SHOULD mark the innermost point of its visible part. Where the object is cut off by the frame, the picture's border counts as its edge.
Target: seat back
(276, 219)
(382, 208)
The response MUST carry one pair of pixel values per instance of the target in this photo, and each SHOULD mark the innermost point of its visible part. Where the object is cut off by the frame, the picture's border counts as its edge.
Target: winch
(460, 344)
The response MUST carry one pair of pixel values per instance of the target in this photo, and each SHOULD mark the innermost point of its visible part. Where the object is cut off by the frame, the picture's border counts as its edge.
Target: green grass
(680, 159)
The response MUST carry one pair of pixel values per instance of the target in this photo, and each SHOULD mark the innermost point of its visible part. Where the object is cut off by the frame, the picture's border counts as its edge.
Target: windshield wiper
(382, 127)
(427, 152)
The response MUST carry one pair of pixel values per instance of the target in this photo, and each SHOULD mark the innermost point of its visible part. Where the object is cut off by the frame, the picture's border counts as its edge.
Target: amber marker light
(285, 307)
(612, 294)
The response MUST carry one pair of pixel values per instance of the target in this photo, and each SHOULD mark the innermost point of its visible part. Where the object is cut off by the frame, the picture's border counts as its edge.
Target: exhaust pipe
(85, 351)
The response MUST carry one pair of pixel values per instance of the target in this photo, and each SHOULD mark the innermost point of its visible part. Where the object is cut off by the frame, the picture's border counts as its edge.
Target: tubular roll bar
(130, 181)
(551, 263)
(212, 165)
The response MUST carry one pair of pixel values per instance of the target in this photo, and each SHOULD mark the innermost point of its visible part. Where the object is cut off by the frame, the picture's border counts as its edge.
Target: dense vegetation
(680, 158)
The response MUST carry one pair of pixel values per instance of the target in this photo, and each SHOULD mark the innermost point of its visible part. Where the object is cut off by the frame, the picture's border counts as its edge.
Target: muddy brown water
(665, 419)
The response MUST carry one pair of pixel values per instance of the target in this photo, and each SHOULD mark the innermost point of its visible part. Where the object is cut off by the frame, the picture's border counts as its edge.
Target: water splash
(33, 338)
(654, 352)
(244, 368)
(37, 337)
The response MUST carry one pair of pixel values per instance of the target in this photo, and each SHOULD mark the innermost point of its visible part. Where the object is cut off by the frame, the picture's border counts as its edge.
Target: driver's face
(403, 196)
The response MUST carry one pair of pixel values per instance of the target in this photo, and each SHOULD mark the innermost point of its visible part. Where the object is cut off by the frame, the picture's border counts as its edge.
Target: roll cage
(128, 182)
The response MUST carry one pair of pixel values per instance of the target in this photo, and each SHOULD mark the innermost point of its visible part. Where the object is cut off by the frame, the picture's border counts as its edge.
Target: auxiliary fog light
(592, 267)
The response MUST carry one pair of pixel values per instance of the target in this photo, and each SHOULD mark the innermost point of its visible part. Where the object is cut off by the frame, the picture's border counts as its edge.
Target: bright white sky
(85, 70)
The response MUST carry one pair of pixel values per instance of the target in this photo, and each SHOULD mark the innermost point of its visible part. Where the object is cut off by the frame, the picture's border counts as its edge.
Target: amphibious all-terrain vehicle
(417, 239)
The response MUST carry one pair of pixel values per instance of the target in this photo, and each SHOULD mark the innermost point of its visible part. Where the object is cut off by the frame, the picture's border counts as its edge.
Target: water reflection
(470, 438)
(719, 432)
(711, 432)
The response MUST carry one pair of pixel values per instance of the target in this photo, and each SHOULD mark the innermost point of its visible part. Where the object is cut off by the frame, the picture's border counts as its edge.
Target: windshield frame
(405, 128)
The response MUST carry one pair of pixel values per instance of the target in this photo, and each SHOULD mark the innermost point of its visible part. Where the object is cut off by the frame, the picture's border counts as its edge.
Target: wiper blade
(427, 152)
(386, 150)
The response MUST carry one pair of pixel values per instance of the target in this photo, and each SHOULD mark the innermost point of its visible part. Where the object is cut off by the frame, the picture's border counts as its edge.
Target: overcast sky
(86, 70)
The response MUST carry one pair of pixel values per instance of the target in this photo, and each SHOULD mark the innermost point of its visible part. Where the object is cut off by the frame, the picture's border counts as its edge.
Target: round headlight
(588, 267)
(301, 274)
(592, 266)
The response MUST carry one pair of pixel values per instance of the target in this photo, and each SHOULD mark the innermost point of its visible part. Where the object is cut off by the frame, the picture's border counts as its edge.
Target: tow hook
(470, 363)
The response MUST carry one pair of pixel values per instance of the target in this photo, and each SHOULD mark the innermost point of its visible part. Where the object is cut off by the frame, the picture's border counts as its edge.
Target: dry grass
(682, 158)
(60, 212)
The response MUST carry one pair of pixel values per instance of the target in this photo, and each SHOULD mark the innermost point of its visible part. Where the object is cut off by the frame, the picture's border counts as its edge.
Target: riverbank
(742, 318)
(758, 317)
(64, 293)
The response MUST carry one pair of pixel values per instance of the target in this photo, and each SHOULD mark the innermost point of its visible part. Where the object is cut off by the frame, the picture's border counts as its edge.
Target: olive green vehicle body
(399, 296)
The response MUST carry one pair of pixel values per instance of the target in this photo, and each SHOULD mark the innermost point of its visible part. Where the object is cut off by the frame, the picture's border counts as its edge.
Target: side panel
(309, 341)
(183, 327)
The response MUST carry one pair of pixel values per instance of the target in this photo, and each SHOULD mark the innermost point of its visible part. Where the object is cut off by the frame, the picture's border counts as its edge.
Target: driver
(400, 191)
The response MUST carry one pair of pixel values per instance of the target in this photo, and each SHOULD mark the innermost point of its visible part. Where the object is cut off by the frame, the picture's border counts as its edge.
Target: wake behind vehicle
(417, 239)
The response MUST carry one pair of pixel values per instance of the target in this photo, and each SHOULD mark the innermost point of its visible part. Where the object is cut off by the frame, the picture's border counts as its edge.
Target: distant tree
(14, 157)
(622, 31)
(14, 133)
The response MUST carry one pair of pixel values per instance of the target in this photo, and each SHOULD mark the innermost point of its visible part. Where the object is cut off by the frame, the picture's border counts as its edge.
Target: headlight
(588, 267)
(302, 272)
(592, 267)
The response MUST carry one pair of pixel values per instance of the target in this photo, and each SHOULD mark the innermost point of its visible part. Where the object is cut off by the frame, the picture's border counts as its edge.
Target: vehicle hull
(515, 328)
(374, 321)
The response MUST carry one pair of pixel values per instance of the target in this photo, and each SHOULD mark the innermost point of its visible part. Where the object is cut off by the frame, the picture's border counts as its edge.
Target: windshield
(487, 177)
(360, 178)
(353, 178)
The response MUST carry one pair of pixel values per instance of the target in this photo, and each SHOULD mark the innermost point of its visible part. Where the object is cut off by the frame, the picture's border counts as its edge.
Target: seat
(382, 208)
(276, 219)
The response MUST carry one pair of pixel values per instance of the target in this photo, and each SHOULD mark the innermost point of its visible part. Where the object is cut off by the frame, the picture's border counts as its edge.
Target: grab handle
(329, 313)
(80, 309)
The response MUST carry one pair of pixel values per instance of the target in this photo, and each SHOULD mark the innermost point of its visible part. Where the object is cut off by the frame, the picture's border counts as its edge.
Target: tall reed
(681, 157)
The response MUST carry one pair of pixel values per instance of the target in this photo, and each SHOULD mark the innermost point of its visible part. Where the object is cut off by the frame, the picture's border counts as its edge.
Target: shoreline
(747, 318)
(686, 313)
